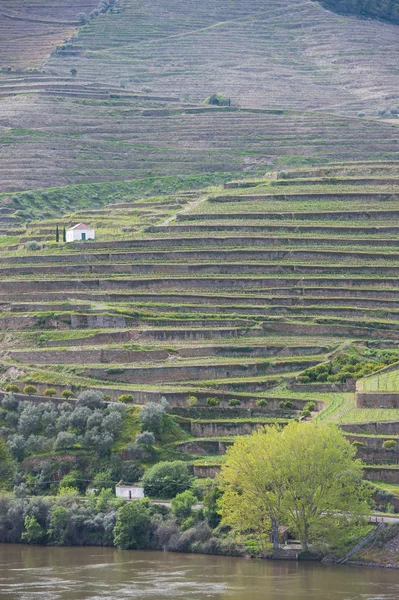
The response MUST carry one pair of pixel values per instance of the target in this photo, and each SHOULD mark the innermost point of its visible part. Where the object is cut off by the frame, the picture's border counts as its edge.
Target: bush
(306, 413)
(182, 505)
(30, 389)
(10, 402)
(132, 525)
(152, 416)
(234, 402)
(92, 399)
(389, 444)
(262, 403)
(32, 245)
(166, 479)
(126, 398)
(67, 394)
(82, 18)
(64, 441)
(14, 389)
(311, 406)
(146, 439)
(357, 444)
(212, 401)
(50, 392)
(192, 400)
(218, 100)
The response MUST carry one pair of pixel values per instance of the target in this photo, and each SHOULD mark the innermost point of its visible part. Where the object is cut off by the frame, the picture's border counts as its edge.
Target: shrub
(16, 447)
(286, 404)
(12, 388)
(389, 444)
(212, 401)
(192, 400)
(282, 175)
(126, 398)
(64, 441)
(262, 403)
(303, 379)
(67, 394)
(182, 504)
(357, 444)
(146, 438)
(32, 245)
(132, 525)
(166, 479)
(310, 406)
(30, 389)
(234, 402)
(10, 402)
(82, 18)
(92, 399)
(218, 100)
(152, 416)
(50, 392)
(306, 413)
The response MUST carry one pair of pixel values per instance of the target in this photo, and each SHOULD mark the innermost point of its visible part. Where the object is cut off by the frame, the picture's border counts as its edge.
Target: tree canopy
(304, 475)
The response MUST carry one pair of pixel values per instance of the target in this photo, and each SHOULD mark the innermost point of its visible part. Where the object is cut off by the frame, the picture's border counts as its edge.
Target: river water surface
(33, 572)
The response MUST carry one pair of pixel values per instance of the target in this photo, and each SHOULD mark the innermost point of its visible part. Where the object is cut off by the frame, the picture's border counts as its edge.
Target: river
(30, 572)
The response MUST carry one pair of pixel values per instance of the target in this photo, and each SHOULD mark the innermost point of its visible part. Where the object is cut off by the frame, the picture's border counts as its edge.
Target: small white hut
(129, 492)
(80, 232)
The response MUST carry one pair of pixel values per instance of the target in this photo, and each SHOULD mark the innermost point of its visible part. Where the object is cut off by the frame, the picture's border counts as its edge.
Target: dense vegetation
(380, 9)
(261, 486)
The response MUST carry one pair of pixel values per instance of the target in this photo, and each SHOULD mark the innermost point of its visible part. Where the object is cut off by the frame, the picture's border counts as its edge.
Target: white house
(80, 232)
(129, 492)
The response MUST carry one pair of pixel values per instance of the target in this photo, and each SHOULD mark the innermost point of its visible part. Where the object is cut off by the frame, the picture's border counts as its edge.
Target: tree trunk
(276, 544)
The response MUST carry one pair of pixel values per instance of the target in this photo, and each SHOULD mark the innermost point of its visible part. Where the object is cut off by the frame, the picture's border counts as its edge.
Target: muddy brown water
(33, 572)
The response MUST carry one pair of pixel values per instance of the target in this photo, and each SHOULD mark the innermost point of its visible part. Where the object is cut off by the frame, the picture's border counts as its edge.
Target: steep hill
(288, 53)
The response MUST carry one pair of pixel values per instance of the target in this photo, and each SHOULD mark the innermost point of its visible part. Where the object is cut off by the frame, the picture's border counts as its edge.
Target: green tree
(166, 479)
(305, 474)
(132, 525)
(64, 235)
(33, 533)
(57, 234)
(254, 487)
(182, 504)
(67, 394)
(30, 389)
(59, 523)
(50, 392)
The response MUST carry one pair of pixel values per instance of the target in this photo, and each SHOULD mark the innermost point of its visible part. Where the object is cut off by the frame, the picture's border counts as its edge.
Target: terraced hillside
(240, 304)
(30, 29)
(123, 99)
(288, 53)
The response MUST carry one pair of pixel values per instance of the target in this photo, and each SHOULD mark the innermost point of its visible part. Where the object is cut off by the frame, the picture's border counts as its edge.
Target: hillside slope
(260, 53)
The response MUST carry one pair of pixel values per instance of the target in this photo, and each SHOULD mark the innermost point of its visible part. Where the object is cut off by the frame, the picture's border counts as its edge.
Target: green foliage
(218, 100)
(212, 401)
(166, 479)
(67, 394)
(126, 398)
(192, 400)
(234, 402)
(152, 416)
(304, 475)
(13, 388)
(30, 389)
(50, 392)
(132, 525)
(182, 505)
(262, 403)
(389, 444)
(58, 529)
(33, 533)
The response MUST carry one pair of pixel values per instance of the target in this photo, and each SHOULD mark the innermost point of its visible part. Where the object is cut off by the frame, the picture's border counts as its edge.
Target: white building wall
(129, 492)
(75, 235)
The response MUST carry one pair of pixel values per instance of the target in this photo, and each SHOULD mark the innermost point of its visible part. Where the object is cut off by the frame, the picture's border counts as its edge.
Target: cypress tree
(64, 235)
(57, 235)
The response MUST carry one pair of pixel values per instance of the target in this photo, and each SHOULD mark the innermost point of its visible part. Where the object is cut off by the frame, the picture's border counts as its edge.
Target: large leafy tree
(132, 525)
(305, 475)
